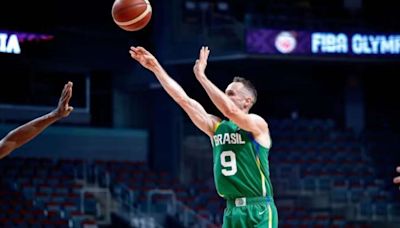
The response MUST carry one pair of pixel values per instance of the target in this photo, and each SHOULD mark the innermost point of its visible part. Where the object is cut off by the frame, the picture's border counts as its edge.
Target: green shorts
(251, 212)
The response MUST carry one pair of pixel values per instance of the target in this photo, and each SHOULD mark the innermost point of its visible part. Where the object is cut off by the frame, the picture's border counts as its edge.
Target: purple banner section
(14, 42)
(306, 43)
(29, 37)
(266, 41)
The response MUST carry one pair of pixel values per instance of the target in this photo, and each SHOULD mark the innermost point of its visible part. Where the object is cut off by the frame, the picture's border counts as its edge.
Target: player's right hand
(144, 57)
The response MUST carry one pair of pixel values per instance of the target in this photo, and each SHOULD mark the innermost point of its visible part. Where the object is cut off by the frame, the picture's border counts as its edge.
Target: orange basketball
(131, 15)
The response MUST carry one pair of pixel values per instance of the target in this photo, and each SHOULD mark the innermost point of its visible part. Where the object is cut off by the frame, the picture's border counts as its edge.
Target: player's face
(237, 93)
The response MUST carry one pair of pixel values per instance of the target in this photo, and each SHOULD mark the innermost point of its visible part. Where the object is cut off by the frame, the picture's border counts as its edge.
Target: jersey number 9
(228, 161)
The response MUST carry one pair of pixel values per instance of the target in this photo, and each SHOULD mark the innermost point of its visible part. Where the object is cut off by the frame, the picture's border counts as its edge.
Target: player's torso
(240, 164)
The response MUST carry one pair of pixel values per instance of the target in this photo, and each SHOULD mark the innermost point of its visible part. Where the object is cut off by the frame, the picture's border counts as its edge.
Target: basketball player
(30, 130)
(240, 144)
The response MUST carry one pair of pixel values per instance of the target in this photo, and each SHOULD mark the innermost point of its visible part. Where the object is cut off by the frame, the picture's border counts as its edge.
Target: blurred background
(128, 156)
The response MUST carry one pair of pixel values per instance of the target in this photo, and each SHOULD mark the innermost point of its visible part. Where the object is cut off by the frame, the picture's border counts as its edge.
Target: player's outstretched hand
(201, 63)
(64, 109)
(144, 57)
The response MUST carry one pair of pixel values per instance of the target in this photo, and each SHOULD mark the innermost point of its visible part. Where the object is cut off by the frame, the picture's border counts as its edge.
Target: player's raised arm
(235, 103)
(196, 112)
(28, 131)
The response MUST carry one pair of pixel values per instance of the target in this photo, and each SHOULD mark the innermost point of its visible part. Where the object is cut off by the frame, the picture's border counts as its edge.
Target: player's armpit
(254, 124)
(249, 122)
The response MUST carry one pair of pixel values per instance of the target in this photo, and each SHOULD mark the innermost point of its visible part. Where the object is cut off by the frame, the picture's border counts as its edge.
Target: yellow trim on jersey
(269, 216)
(216, 126)
(214, 130)
(264, 188)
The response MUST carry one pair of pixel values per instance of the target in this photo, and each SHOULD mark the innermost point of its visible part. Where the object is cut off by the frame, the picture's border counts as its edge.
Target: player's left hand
(64, 109)
(201, 63)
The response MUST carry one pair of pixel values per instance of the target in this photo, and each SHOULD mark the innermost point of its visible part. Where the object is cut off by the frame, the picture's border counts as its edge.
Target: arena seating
(323, 176)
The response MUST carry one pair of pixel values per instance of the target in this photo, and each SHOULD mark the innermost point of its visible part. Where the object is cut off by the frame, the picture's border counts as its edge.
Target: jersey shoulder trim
(217, 125)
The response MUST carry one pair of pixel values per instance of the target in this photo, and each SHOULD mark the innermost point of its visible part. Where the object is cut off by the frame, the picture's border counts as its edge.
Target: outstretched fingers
(201, 53)
(139, 50)
(204, 53)
(207, 53)
(139, 53)
(133, 52)
(64, 91)
(67, 94)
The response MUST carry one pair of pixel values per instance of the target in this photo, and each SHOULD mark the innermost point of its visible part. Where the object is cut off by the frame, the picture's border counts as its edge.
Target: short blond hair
(249, 86)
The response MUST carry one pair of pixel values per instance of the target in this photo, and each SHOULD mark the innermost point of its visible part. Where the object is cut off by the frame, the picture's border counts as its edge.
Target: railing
(189, 218)
(126, 199)
(103, 204)
(171, 208)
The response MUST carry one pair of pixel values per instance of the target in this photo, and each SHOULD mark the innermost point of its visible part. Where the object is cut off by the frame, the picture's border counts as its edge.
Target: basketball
(131, 15)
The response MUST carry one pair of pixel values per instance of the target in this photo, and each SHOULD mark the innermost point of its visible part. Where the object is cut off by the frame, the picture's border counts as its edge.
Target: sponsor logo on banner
(285, 42)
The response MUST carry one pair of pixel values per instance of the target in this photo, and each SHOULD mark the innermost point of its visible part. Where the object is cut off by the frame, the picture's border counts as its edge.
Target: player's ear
(248, 101)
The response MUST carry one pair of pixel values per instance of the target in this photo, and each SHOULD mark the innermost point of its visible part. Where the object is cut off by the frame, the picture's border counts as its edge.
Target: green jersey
(241, 166)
